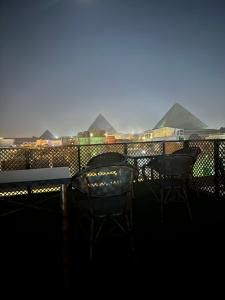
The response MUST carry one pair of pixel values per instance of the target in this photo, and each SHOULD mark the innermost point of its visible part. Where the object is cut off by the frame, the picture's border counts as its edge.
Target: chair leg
(91, 240)
(129, 223)
(164, 197)
(102, 223)
(187, 203)
(130, 219)
(132, 243)
(162, 205)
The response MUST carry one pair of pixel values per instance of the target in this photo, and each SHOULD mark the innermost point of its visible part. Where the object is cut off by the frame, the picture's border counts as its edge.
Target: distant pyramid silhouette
(47, 135)
(101, 123)
(179, 117)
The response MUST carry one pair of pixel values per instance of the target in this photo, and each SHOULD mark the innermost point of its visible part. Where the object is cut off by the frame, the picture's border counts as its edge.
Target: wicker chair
(173, 174)
(108, 191)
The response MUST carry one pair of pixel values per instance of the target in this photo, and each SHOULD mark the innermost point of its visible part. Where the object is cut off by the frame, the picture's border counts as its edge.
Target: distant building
(164, 133)
(6, 142)
(84, 138)
(94, 137)
(220, 136)
(25, 140)
(70, 140)
(48, 143)
(201, 134)
(110, 139)
(98, 137)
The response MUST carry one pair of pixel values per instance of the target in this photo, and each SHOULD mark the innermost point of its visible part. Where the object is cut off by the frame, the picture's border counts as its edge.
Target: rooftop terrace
(32, 241)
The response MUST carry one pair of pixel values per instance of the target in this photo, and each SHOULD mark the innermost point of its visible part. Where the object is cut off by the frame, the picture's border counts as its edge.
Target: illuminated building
(84, 138)
(6, 142)
(164, 133)
(110, 139)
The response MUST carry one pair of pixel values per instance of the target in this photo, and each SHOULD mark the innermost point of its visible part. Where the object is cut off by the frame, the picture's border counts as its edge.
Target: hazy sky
(62, 62)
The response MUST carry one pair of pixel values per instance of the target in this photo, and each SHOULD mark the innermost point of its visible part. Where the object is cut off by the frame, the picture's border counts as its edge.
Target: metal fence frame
(206, 169)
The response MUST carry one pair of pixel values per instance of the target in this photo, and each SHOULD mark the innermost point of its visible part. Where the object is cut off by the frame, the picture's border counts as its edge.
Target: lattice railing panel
(144, 149)
(40, 158)
(203, 170)
(71, 155)
(47, 188)
(139, 151)
(55, 157)
(171, 146)
(222, 159)
(204, 166)
(76, 157)
(13, 159)
(15, 191)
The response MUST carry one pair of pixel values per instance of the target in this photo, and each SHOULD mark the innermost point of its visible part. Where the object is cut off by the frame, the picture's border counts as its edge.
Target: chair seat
(110, 205)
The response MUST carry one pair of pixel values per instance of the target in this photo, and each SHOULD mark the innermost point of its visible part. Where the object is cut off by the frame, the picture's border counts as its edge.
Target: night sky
(62, 62)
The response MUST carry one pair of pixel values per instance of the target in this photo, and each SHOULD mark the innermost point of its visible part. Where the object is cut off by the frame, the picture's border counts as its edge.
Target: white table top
(35, 176)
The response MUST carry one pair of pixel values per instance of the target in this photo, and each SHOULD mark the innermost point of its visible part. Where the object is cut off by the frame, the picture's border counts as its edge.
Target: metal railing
(206, 169)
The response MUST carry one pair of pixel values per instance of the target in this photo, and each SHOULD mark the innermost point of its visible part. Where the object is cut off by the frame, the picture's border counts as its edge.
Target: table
(40, 177)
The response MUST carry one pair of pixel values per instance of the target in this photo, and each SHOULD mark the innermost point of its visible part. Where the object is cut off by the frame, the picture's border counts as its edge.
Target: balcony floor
(32, 247)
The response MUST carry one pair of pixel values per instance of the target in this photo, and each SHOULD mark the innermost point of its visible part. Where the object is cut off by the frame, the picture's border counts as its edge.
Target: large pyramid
(179, 117)
(101, 123)
(47, 135)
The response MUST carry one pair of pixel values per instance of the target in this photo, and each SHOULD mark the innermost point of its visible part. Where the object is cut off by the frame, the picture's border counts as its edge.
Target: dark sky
(62, 62)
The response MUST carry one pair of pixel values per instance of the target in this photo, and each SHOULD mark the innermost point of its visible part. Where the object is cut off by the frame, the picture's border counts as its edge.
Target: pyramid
(101, 123)
(47, 135)
(179, 117)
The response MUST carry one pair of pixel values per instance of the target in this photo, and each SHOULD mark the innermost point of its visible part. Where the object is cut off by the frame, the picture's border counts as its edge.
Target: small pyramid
(47, 135)
(179, 117)
(101, 123)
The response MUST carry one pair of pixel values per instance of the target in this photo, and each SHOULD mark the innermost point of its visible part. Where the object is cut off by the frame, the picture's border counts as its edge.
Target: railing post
(27, 156)
(125, 148)
(216, 168)
(164, 147)
(186, 144)
(79, 163)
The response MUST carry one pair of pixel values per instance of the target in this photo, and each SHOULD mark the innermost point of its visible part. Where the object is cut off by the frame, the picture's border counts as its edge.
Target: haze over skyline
(62, 62)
